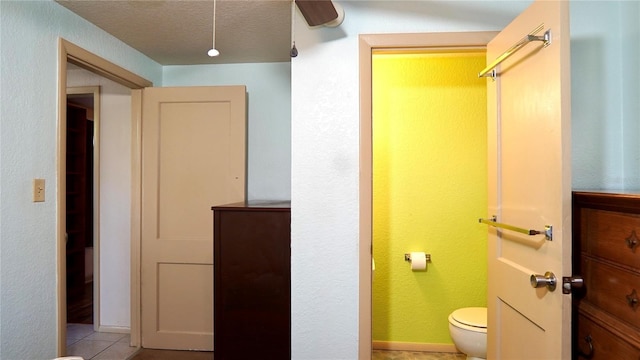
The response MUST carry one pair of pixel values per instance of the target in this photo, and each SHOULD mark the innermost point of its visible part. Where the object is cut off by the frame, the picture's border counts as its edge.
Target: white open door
(530, 185)
(193, 157)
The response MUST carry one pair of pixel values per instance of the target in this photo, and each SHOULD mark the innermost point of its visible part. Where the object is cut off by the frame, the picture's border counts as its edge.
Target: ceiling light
(213, 52)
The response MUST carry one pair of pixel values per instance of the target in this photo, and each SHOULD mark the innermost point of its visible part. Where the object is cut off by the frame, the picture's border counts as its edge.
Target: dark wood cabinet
(252, 281)
(606, 253)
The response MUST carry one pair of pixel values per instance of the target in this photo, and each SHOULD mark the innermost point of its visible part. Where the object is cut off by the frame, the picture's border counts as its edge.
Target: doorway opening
(367, 45)
(82, 211)
(429, 183)
(69, 53)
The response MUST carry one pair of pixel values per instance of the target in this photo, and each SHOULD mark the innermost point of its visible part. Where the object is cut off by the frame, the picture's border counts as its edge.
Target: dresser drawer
(605, 345)
(611, 235)
(612, 289)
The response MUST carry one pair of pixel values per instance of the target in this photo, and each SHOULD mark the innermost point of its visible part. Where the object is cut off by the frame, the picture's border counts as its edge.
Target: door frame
(69, 52)
(94, 91)
(367, 44)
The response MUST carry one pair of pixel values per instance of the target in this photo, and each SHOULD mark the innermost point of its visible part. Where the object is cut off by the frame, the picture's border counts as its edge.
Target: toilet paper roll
(418, 261)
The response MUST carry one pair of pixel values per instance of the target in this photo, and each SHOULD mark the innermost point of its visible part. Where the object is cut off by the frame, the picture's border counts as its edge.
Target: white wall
(325, 163)
(115, 197)
(630, 62)
(29, 32)
(269, 119)
(605, 53)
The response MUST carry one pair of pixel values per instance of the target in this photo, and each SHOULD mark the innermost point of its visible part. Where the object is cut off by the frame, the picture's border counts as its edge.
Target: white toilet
(468, 329)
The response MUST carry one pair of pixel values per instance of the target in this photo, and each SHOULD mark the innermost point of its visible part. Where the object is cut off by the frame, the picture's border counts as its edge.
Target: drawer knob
(632, 241)
(589, 342)
(632, 299)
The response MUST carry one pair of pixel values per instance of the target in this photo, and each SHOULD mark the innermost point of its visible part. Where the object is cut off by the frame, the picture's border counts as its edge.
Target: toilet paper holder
(407, 257)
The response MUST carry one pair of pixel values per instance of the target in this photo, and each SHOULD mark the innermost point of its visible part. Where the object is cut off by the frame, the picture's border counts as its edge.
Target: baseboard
(409, 346)
(114, 329)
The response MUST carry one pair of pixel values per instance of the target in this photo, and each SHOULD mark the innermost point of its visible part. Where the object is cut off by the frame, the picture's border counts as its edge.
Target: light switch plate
(38, 190)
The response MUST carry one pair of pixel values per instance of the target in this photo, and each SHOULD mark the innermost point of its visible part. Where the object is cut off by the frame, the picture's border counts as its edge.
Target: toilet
(468, 329)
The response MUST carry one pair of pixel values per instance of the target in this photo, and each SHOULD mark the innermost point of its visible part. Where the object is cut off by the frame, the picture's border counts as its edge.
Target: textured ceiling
(179, 32)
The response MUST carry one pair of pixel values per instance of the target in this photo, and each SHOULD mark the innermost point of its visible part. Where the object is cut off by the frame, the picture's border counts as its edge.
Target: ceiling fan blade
(317, 12)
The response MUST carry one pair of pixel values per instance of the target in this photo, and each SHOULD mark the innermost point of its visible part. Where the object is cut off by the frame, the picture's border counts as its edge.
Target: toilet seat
(471, 318)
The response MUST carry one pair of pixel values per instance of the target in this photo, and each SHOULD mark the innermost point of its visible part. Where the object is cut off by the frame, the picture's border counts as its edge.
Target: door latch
(570, 283)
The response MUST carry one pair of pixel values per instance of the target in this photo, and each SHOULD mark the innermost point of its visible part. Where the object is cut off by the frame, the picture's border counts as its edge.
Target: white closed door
(530, 187)
(193, 158)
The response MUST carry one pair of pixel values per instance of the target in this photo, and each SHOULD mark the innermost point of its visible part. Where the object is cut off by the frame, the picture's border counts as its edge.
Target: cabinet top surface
(625, 201)
(613, 192)
(256, 204)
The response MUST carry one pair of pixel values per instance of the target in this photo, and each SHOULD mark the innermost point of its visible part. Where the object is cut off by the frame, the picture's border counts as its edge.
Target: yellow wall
(430, 188)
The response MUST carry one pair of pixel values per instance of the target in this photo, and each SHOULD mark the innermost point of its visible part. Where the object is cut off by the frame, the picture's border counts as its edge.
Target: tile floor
(83, 341)
(148, 354)
(415, 355)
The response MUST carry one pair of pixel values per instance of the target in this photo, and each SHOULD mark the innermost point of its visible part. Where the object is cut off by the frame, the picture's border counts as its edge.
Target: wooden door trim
(136, 216)
(94, 63)
(69, 52)
(367, 44)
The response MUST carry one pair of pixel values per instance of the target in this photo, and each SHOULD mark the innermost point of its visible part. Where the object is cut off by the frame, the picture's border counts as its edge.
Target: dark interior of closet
(79, 210)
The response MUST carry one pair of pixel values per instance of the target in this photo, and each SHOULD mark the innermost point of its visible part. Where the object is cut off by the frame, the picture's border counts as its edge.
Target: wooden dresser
(606, 252)
(252, 281)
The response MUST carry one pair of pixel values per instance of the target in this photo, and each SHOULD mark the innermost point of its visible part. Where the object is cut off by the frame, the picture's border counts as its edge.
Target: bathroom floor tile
(125, 339)
(87, 348)
(72, 341)
(79, 331)
(414, 355)
(117, 351)
(103, 336)
(83, 341)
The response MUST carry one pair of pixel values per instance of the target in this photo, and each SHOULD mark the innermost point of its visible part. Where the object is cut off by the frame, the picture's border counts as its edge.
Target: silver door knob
(548, 279)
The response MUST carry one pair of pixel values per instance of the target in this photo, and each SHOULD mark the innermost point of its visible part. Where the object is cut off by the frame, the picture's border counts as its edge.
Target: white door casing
(193, 158)
(530, 187)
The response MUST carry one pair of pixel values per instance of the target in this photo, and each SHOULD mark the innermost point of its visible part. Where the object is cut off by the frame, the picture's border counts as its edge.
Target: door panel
(181, 288)
(530, 187)
(521, 348)
(193, 157)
